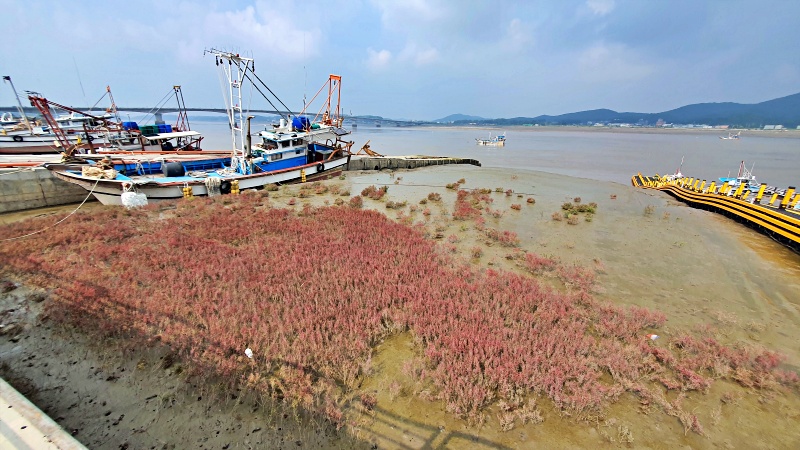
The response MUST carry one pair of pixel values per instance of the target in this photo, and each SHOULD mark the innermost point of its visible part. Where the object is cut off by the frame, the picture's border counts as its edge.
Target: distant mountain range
(780, 111)
(460, 118)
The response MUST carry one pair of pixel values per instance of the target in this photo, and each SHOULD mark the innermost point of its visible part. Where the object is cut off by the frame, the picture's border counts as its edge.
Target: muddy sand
(647, 249)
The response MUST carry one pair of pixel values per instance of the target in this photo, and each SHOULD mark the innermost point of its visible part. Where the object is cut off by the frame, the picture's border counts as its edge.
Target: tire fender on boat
(17, 138)
(320, 167)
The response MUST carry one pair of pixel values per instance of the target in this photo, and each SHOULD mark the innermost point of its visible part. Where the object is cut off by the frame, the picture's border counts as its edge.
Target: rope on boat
(65, 218)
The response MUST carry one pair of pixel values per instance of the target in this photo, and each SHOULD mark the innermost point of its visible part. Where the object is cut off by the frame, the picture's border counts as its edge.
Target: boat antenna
(7, 78)
(79, 78)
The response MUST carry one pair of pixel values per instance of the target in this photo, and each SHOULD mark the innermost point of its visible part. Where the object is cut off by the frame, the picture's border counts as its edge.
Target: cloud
(518, 35)
(419, 57)
(274, 31)
(600, 7)
(378, 60)
(603, 62)
(401, 15)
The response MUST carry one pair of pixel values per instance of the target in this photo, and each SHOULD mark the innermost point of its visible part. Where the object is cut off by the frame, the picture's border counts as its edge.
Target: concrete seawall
(29, 188)
(404, 162)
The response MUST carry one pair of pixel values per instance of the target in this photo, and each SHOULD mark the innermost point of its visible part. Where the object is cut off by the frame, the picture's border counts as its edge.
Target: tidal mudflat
(517, 312)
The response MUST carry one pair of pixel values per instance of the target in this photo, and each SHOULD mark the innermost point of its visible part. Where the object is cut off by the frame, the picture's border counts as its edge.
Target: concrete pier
(29, 188)
(404, 162)
(34, 187)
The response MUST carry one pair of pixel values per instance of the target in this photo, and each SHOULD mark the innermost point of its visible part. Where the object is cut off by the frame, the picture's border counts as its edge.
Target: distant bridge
(360, 120)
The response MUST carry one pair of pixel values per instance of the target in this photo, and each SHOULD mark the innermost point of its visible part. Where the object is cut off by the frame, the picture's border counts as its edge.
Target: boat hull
(27, 144)
(109, 192)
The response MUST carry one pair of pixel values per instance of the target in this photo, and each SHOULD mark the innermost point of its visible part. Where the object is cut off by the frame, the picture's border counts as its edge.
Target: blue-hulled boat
(298, 148)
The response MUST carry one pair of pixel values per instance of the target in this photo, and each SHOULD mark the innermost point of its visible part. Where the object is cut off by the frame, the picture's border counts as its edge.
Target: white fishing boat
(745, 177)
(296, 149)
(495, 141)
(731, 136)
(27, 136)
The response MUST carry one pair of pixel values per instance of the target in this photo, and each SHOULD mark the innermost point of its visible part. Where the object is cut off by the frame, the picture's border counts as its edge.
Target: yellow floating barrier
(780, 221)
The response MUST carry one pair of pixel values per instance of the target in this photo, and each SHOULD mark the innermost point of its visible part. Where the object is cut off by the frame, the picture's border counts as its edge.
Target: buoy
(652, 337)
(248, 353)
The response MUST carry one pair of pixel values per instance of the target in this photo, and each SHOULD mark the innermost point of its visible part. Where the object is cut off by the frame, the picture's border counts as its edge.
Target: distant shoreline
(786, 133)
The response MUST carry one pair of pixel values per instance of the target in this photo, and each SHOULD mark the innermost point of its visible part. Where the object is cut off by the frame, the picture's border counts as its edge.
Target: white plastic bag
(132, 199)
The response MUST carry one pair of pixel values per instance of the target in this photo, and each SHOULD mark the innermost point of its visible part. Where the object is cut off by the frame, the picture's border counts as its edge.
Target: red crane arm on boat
(41, 104)
(67, 108)
(331, 115)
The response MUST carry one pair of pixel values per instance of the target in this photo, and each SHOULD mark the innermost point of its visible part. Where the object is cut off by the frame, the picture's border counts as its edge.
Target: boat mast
(234, 67)
(182, 124)
(19, 104)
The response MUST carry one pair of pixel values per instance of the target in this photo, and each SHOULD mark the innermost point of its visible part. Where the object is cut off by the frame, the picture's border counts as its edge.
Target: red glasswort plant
(312, 294)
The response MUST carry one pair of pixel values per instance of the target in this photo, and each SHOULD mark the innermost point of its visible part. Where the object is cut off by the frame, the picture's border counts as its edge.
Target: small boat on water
(296, 149)
(494, 141)
(731, 136)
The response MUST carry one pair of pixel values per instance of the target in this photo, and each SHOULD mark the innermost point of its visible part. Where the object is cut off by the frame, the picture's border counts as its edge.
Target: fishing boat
(744, 177)
(8, 121)
(731, 136)
(27, 136)
(296, 149)
(494, 141)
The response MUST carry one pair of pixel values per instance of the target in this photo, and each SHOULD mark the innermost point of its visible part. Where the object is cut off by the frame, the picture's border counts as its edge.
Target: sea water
(604, 155)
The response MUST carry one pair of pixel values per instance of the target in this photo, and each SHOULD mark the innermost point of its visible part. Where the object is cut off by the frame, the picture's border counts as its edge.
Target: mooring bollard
(786, 197)
(738, 192)
(772, 200)
(796, 202)
(761, 192)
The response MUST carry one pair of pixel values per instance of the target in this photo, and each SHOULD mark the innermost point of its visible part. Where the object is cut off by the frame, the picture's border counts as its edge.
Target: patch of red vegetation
(312, 293)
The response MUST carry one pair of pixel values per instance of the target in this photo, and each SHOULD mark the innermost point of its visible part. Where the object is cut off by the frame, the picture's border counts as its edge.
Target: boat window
(275, 156)
(298, 151)
(297, 142)
(269, 144)
(285, 144)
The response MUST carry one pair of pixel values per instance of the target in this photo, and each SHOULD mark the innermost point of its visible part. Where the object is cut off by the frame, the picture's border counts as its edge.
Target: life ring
(320, 167)
(17, 138)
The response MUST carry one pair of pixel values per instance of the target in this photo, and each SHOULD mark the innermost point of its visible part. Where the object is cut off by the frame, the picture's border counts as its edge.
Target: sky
(410, 59)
